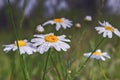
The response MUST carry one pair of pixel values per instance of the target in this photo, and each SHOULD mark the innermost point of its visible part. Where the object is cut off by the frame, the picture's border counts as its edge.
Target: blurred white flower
(78, 25)
(63, 5)
(107, 29)
(98, 55)
(44, 42)
(24, 47)
(30, 7)
(21, 4)
(88, 18)
(113, 6)
(40, 29)
(2, 4)
(51, 7)
(60, 22)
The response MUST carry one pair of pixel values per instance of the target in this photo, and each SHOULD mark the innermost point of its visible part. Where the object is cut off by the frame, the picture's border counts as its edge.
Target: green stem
(21, 21)
(46, 63)
(82, 34)
(100, 7)
(12, 75)
(55, 67)
(60, 63)
(84, 64)
(67, 68)
(24, 67)
(12, 21)
(102, 70)
(26, 75)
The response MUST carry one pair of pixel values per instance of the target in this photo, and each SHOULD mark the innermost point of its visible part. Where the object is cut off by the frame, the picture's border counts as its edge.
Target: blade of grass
(46, 63)
(102, 70)
(25, 72)
(59, 76)
(86, 61)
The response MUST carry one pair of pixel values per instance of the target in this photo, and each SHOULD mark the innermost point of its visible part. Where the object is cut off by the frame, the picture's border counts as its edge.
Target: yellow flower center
(58, 20)
(97, 53)
(20, 43)
(109, 28)
(51, 38)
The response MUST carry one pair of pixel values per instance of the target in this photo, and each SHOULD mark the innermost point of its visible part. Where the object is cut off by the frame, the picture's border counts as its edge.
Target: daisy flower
(107, 29)
(40, 29)
(24, 47)
(97, 55)
(60, 22)
(44, 42)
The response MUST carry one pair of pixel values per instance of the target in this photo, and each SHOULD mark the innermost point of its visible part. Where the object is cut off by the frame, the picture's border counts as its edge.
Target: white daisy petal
(102, 58)
(37, 35)
(14, 48)
(63, 45)
(62, 36)
(104, 34)
(99, 28)
(48, 22)
(51, 41)
(107, 24)
(60, 22)
(64, 26)
(109, 34)
(28, 50)
(98, 50)
(7, 49)
(57, 47)
(42, 49)
(100, 31)
(117, 32)
(38, 41)
(105, 54)
(67, 25)
(66, 40)
(107, 29)
(22, 51)
(24, 47)
(97, 55)
(87, 54)
(58, 26)
(102, 24)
